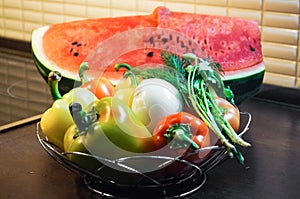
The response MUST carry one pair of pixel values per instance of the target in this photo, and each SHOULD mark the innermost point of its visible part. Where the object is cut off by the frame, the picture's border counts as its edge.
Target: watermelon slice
(233, 42)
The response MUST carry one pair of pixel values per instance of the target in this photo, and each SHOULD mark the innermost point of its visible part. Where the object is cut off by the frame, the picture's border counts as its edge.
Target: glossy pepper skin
(117, 132)
(101, 86)
(181, 132)
(231, 113)
(180, 135)
(56, 120)
(125, 88)
(73, 143)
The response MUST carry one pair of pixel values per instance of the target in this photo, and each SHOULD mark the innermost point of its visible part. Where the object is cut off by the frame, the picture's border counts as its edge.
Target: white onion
(155, 99)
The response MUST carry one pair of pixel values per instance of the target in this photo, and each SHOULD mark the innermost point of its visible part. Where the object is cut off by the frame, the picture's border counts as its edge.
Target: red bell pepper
(101, 86)
(179, 135)
(181, 130)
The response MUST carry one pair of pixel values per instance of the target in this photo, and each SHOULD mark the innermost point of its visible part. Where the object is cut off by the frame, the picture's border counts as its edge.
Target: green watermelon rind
(244, 83)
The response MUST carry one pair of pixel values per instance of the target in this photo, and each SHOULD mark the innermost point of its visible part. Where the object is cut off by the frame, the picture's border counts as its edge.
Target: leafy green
(210, 71)
(204, 82)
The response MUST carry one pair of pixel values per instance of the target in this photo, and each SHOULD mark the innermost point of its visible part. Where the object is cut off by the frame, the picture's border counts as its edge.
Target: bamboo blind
(278, 19)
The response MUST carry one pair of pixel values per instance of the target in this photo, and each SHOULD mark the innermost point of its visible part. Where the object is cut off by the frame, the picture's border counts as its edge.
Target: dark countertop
(271, 169)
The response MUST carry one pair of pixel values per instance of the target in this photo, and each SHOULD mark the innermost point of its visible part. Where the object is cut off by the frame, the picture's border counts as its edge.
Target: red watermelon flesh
(68, 44)
(139, 47)
(233, 42)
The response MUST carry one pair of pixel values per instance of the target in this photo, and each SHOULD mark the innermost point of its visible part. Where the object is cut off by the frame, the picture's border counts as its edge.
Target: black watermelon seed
(76, 54)
(151, 40)
(74, 43)
(164, 40)
(150, 54)
(182, 44)
(252, 49)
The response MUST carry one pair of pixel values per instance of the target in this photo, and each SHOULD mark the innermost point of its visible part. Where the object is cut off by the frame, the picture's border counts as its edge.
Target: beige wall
(279, 21)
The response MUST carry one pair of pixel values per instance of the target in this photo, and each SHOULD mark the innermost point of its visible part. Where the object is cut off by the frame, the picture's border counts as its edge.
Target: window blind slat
(281, 51)
(248, 4)
(246, 14)
(214, 2)
(280, 66)
(281, 20)
(286, 6)
(280, 35)
(211, 10)
(279, 79)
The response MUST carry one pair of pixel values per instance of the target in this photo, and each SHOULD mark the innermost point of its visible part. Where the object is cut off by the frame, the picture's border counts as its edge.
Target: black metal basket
(146, 185)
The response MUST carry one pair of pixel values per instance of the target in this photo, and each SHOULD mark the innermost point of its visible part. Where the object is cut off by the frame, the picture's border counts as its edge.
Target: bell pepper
(181, 133)
(126, 86)
(101, 87)
(77, 152)
(56, 120)
(116, 133)
(231, 112)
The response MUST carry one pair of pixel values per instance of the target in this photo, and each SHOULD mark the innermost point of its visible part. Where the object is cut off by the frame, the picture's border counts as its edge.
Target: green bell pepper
(77, 152)
(116, 133)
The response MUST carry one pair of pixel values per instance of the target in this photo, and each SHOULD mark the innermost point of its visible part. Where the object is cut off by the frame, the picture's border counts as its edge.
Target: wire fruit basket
(128, 182)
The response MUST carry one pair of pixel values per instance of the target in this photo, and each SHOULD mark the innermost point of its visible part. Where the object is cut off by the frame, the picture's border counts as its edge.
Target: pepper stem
(179, 136)
(118, 66)
(128, 72)
(53, 78)
(82, 119)
(81, 71)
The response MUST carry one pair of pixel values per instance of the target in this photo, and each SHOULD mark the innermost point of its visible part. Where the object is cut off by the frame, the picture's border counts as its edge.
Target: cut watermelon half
(233, 42)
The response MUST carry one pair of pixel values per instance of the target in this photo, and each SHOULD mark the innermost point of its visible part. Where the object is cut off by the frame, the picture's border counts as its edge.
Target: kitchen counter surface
(271, 169)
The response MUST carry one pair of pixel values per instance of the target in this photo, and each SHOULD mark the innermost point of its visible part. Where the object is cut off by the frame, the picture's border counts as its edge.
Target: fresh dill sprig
(204, 83)
(213, 70)
(175, 62)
